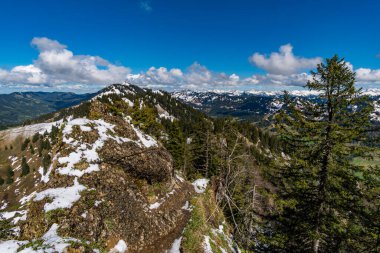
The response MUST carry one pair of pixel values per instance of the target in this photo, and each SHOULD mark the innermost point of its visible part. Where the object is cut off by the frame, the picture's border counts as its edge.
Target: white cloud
(58, 65)
(196, 76)
(283, 62)
(58, 68)
(365, 75)
(278, 80)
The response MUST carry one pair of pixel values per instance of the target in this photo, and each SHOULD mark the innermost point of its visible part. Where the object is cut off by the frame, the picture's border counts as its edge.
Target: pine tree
(175, 144)
(10, 175)
(46, 161)
(31, 149)
(25, 169)
(25, 144)
(35, 137)
(321, 191)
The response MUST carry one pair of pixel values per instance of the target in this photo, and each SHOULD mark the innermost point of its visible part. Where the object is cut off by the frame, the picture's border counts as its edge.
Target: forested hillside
(15, 108)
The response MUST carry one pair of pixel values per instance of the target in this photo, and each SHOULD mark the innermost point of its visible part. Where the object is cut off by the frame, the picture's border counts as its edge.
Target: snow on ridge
(129, 102)
(158, 92)
(51, 243)
(191, 96)
(114, 89)
(27, 131)
(144, 139)
(85, 151)
(162, 113)
(63, 197)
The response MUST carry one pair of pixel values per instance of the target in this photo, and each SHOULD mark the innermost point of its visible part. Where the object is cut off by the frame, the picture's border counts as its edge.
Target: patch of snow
(145, 139)
(179, 178)
(13, 160)
(158, 92)
(98, 202)
(51, 243)
(120, 247)
(4, 206)
(113, 90)
(11, 246)
(175, 246)
(63, 197)
(186, 206)
(16, 215)
(46, 177)
(129, 102)
(26, 199)
(53, 239)
(7, 215)
(206, 245)
(86, 152)
(155, 205)
(159, 203)
(200, 185)
(162, 113)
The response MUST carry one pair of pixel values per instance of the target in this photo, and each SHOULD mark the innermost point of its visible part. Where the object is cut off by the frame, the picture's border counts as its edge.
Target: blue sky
(84, 45)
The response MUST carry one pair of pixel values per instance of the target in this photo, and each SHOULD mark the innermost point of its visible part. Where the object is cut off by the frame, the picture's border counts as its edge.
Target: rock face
(108, 186)
(153, 164)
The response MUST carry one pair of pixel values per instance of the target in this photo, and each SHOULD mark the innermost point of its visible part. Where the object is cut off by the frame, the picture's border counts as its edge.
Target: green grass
(205, 216)
(359, 161)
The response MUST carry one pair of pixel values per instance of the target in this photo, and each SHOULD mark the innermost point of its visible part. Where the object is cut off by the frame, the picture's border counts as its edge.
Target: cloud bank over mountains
(56, 67)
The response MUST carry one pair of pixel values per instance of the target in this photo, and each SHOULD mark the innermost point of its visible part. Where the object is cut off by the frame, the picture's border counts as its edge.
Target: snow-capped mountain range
(253, 105)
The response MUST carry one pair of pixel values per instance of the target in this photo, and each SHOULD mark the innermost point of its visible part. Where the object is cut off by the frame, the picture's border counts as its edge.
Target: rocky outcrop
(153, 164)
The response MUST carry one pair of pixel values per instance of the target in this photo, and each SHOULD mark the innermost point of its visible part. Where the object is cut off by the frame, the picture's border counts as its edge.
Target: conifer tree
(25, 169)
(46, 161)
(10, 175)
(31, 149)
(323, 193)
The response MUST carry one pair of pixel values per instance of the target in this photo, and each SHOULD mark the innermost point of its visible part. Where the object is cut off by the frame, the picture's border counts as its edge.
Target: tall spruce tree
(323, 194)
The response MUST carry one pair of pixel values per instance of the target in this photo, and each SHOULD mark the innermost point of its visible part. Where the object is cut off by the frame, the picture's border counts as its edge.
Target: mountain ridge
(126, 175)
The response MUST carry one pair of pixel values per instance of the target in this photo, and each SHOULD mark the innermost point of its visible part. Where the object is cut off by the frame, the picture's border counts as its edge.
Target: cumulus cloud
(196, 76)
(365, 75)
(283, 62)
(56, 65)
(278, 80)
